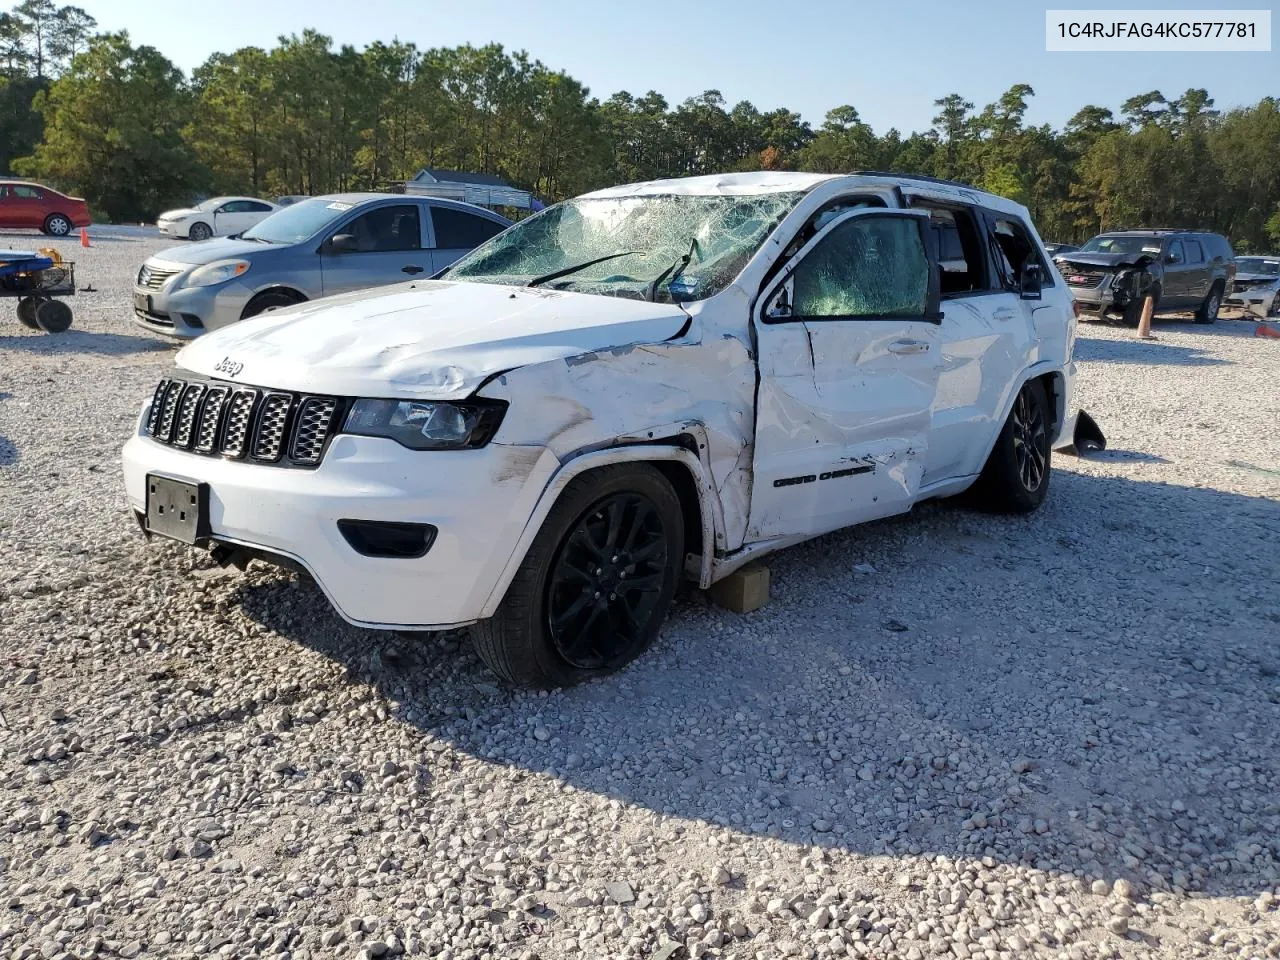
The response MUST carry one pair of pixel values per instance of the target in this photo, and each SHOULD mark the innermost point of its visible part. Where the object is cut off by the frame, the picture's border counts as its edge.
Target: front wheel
(1016, 476)
(1208, 312)
(200, 231)
(596, 584)
(53, 316)
(56, 225)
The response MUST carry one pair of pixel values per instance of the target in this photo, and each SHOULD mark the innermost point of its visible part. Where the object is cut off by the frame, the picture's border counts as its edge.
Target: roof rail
(913, 176)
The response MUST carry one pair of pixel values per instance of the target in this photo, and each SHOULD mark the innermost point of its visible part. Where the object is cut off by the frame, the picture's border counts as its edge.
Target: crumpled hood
(219, 248)
(436, 340)
(1104, 259)
(1258, 277)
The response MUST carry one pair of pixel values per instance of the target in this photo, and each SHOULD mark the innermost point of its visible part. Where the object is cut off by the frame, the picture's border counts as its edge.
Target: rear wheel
(56, 225)
(200, 231)
(596, 584)
(53, 316)
(270, 299)
(1016, 476)
(27, 312)
(1208, 312)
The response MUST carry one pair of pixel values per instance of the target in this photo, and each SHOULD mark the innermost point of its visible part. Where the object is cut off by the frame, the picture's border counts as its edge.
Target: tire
(53, 316)
(521, 642)
(1208, 311)
(56, 225)
(1133, 310)
(199, 231)
(27, 312)
(1009, 482)
(269, 299)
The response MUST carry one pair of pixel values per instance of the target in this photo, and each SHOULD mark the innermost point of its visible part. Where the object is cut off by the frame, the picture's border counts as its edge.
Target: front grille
(1082, 276)
(153, 278)
(1244, 286)
(221, 419)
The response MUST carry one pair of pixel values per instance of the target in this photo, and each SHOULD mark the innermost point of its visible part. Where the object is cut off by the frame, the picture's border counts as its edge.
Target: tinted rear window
(456, 229)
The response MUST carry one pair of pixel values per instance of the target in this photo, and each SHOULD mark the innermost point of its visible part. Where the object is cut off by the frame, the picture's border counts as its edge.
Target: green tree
(113, 131)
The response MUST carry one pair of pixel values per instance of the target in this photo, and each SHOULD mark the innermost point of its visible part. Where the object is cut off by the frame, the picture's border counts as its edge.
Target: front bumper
(186, 312)
(1250, 304)
(479, 501)
(172, 228)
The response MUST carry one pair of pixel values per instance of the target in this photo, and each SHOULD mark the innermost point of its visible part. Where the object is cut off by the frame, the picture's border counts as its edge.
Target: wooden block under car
(743, 590)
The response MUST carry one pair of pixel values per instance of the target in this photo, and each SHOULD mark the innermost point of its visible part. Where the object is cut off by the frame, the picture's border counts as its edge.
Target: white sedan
(218, 217)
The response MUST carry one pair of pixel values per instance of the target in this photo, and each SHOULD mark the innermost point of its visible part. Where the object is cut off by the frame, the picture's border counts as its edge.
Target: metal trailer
(36, 281)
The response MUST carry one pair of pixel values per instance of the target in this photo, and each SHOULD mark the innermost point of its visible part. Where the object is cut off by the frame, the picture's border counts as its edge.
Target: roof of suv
(773, 181)
(1158, 232)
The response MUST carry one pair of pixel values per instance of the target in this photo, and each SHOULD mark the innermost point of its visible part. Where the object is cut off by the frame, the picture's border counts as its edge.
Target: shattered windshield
(669, 247)
(1131, 245)
(1258, 265)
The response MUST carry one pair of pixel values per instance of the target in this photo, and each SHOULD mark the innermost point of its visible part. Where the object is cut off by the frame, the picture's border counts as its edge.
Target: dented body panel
(786, 429)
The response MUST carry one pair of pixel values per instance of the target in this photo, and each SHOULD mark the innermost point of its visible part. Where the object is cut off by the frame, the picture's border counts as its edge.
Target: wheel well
(682, 482)
(292, 294)
(1054, 389)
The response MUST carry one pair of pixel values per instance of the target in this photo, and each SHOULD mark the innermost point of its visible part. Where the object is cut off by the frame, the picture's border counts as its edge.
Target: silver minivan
(313, 248)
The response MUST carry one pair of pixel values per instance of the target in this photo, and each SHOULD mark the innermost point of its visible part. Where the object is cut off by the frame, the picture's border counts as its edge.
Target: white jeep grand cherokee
(649, 382)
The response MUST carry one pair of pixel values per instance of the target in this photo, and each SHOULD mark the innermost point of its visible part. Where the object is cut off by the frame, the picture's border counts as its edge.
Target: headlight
(427, 424)
(219, 272)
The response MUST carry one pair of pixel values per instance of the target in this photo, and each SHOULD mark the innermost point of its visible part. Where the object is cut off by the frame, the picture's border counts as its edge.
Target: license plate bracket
(142, 301)
(178, 509)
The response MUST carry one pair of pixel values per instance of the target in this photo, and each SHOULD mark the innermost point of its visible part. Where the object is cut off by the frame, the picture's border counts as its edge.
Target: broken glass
(639, 238)
(866, 267)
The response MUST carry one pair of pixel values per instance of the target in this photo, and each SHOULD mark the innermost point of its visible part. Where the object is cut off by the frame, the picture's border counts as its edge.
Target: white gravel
(1071, 750)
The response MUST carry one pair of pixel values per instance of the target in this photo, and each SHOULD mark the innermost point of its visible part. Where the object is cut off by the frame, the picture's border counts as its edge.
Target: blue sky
(889, 58)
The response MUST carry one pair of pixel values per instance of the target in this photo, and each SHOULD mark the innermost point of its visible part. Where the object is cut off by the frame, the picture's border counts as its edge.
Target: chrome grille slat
(188, 406)
(169, 410)
(153, 278)
(269, 427)
(315, 417)
(239, 412)
(273, 417)
(210, 418)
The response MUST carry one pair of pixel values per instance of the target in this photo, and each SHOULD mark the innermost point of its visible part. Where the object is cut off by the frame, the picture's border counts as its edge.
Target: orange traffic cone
(84, 237)
(1266, 330)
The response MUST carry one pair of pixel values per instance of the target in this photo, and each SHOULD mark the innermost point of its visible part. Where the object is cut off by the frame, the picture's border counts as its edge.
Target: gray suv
(316, 247)
(1183, 270)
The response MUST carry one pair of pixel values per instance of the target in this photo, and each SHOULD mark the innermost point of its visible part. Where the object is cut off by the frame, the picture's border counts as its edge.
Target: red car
(24, 204)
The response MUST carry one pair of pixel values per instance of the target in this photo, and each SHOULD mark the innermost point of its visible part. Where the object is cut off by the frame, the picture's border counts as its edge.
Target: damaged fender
(1080, 435)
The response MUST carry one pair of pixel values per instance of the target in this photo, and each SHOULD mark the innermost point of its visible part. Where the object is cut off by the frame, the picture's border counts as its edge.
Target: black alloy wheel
(607, 581)
(1029, 431)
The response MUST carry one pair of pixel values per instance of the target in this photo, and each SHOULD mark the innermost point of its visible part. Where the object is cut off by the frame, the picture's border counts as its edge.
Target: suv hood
(430, 340)
(219, 248)
(1258, 277)
(1105, 259)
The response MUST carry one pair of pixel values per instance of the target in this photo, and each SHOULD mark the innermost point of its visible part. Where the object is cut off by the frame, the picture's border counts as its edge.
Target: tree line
(125, 127)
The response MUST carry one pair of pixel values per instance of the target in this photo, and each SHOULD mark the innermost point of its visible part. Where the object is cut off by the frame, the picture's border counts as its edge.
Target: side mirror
(1031, 282)
(1172, 258)
(344, 243)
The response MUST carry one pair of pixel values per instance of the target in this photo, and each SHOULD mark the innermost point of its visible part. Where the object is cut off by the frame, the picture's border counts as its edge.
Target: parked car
(1255, 290)
(314, 248)
(1054, 249)
(1182, 270)
(36, 207)
(218, 217)
(650, 382)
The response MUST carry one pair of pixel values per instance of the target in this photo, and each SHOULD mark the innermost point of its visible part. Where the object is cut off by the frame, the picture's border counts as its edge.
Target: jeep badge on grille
(228, 366)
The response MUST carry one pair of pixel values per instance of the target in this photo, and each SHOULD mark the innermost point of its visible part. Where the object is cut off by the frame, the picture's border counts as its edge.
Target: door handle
(908, 346)
(411, 268)
(1004, 313)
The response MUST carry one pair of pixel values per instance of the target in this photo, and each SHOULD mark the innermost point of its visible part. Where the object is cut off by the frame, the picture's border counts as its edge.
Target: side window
(253, 206)
(1194, 252)
(28, 193)
(456, 229)
(961, 265)
(1013, 250)
(386, 228)
(869, 267)
(231, 206)
(1176, 253)
(825, 216)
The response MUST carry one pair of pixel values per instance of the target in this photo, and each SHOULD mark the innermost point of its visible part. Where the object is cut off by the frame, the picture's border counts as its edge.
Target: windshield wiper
(565, 271)
(679, 265)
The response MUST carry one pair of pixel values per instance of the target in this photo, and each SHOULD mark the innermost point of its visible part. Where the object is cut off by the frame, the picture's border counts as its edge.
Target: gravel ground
(947, 734)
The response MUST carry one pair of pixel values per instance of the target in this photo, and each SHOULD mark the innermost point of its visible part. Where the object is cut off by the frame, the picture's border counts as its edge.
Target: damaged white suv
(649, 382)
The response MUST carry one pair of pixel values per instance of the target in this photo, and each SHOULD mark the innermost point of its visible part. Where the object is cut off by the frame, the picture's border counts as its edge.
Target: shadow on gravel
(1138, 351)
(84, 341)
(1089, 690)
